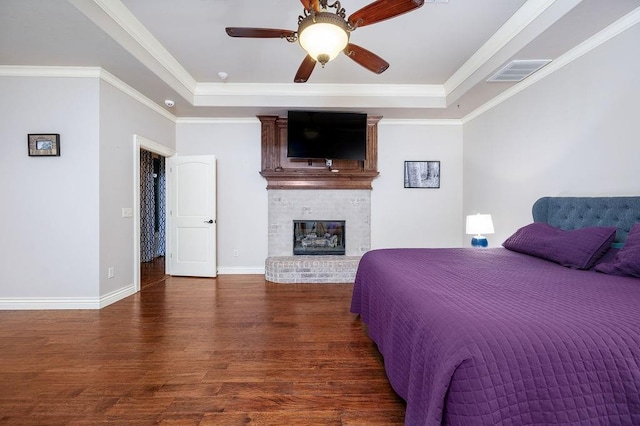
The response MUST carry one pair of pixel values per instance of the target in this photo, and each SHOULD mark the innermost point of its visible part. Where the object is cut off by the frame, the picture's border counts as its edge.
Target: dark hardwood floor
(152, 272)
(187, 351)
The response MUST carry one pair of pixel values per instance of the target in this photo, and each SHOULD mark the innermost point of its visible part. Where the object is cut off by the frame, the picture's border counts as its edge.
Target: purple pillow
(607, 257)
(627, 260)
(577, 249)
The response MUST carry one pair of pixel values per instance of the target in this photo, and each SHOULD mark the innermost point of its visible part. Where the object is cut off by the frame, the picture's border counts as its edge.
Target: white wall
(49, 214)
(242, 194)
(420, 217)
(120, 118)
(413, 217)
(572, 133)
(61, 216)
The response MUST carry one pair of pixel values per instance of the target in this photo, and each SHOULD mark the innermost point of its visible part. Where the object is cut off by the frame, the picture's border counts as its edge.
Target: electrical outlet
(127, 212)
(111, 272)
(236, 252)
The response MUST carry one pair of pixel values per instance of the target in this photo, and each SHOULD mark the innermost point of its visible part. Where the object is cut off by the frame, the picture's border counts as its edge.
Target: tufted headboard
(581, 212)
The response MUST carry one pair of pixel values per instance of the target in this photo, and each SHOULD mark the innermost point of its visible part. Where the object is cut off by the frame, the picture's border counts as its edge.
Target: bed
(503, 336)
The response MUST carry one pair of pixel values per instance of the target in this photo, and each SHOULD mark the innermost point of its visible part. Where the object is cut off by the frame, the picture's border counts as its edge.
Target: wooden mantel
(291, 173)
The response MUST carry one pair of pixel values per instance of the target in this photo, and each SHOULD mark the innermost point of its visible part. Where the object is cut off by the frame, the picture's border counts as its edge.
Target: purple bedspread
(490, 337)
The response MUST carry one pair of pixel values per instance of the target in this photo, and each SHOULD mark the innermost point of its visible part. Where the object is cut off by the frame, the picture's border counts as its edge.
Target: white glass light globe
(323, 39)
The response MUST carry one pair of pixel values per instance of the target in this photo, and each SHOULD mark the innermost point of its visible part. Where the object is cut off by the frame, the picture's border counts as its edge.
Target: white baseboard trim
(59, 303)
(48, 303)
(119, 294)
(240, 271)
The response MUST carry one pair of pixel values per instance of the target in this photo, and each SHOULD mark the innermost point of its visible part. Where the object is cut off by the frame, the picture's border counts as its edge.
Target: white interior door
(192, 215)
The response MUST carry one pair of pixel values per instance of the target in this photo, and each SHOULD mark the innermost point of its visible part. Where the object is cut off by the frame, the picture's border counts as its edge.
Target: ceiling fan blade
(308, 3)
(381, 10)
(305, 70)
(259, 32)
(367, 59)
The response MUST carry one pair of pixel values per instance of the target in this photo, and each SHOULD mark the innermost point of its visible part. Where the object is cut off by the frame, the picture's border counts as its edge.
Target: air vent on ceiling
(518, 70)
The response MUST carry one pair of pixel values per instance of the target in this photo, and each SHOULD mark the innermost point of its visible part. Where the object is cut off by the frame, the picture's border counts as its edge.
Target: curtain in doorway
(161, 208)
(147, 207)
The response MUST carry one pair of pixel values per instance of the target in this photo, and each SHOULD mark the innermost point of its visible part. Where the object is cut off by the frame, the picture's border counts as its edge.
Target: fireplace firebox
(318, 237)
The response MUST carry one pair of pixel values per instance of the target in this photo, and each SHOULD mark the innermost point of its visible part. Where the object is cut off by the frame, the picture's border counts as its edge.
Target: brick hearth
(311, 269)
(285, 206)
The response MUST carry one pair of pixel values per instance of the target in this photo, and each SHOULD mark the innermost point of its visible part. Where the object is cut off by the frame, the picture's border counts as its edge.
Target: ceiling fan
(324, 34)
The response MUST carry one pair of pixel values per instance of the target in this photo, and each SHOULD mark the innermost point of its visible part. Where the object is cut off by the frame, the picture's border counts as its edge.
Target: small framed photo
(43, 145)
(422, 174)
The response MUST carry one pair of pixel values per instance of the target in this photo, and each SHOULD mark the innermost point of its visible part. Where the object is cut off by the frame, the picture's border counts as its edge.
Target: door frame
(140, 142)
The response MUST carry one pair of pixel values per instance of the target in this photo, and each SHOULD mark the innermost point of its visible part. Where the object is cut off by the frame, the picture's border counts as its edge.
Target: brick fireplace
(309, 191)
(352, 206)
(287, 206)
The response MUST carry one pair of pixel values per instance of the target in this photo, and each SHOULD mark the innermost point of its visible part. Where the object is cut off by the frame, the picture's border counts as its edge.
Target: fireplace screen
(318, 237)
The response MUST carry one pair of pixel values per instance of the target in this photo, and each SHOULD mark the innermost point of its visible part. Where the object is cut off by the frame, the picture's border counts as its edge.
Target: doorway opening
(141, 144)
(153, 203)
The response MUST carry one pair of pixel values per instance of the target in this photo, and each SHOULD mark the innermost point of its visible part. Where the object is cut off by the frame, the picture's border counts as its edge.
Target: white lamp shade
(323, 38)
(478, 224)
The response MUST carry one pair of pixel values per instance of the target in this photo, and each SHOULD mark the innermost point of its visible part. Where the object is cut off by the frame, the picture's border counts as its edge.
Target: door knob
(208, 221)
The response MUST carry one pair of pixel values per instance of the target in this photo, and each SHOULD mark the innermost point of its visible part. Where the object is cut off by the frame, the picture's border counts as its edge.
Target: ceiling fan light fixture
(323, 35)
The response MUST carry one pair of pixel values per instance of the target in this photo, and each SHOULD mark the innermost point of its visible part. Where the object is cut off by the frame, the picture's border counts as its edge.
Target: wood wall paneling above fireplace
(282, 172)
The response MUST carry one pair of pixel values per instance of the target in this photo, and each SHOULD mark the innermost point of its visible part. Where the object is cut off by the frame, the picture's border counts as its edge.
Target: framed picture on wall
(43, 145)
(422, 174)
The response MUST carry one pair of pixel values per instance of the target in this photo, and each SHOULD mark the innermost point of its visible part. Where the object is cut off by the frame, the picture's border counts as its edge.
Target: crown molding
(133, 93)
(613, 30)
(84, 72)
(46, 71)
(217, 120)
(291, 95)
(383, 121)
(419, 122)
(113, 17)
(310, 89)
(528, 13)
(320, 95)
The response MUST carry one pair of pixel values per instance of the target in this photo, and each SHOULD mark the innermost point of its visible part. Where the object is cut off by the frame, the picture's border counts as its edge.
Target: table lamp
(478, 224)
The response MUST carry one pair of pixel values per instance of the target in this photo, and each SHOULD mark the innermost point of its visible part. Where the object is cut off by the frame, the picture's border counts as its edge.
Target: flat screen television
(329, 135)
